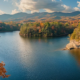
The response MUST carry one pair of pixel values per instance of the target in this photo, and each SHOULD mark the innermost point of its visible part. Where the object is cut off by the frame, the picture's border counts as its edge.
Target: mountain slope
(22, 16)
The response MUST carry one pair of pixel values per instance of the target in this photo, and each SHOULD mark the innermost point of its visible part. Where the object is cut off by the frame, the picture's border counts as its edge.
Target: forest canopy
(9, 26)
(46, 29)
(76, 34)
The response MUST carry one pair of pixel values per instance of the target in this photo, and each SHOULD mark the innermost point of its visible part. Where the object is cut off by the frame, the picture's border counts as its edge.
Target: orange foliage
(0, 27)
(3, 70)
(42, 25)
(53, 27)
(39, 30)
(34, 26)
(19, 25)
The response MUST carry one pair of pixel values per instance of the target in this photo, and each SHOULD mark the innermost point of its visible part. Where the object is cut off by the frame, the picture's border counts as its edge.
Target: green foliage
(76, 34)
(9, 26)
(46, 29)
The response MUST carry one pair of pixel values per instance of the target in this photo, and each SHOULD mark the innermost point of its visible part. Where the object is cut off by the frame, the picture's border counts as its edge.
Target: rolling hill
(44, 15)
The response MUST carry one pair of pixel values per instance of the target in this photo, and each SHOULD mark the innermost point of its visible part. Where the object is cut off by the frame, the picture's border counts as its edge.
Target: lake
(38, 59)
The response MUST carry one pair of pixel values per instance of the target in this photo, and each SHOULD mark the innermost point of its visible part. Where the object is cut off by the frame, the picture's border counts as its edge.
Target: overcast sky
(31, 6)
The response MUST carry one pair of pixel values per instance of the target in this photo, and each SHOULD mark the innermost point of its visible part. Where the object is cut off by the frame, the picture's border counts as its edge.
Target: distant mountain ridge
(22, 16)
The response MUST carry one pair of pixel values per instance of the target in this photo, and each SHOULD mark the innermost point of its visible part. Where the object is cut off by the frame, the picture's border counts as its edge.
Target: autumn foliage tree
(3, 71)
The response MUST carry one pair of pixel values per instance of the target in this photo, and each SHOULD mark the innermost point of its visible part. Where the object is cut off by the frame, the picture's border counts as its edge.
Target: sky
(32, 6)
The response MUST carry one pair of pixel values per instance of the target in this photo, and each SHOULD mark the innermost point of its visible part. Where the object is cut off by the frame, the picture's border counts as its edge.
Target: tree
(3, 70)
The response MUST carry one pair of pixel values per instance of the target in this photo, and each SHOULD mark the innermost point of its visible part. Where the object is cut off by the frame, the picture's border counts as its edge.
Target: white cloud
(67, 9)
(2, 12)
(76, 9)
(33, 11)
(26, 5)
(6, 0)
(78, 3)
(47, 5)
(14, 11)
(53, 0)
(48, 10)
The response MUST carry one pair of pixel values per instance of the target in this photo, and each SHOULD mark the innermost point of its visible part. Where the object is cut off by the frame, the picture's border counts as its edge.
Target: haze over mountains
(25, 16)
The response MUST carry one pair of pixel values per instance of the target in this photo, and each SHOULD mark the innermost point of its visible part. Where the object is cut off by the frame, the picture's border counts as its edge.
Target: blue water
(38, 59)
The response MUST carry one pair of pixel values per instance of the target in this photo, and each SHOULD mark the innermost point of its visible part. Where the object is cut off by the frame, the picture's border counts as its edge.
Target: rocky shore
(72, 45)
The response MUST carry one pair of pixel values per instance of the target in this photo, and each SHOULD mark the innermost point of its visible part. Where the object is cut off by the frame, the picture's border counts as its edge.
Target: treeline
(46, 29)
(9, 26)
(76, 34)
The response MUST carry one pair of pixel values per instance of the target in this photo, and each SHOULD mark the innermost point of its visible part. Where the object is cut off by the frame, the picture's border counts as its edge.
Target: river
(38, 59)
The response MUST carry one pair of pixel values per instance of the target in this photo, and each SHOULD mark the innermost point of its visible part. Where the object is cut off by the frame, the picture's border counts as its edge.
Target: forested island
(46, 29)
(40, 29)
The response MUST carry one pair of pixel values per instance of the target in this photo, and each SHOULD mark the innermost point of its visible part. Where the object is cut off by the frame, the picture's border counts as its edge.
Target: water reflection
(3, 71)
(76, 54)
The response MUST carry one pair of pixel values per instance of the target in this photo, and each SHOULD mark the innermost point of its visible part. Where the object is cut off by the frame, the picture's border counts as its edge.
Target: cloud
(67, 9)
(53, 0)
(14, 11)
(47, 5)
(6, 0)
(76, 9)
(48, 10)
(78, 3)
(1, 12)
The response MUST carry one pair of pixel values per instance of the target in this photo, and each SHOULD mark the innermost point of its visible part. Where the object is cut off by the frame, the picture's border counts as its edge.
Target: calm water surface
(38, 59)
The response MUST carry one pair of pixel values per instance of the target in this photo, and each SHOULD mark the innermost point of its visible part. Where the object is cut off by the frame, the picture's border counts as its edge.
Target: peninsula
(74, 39)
